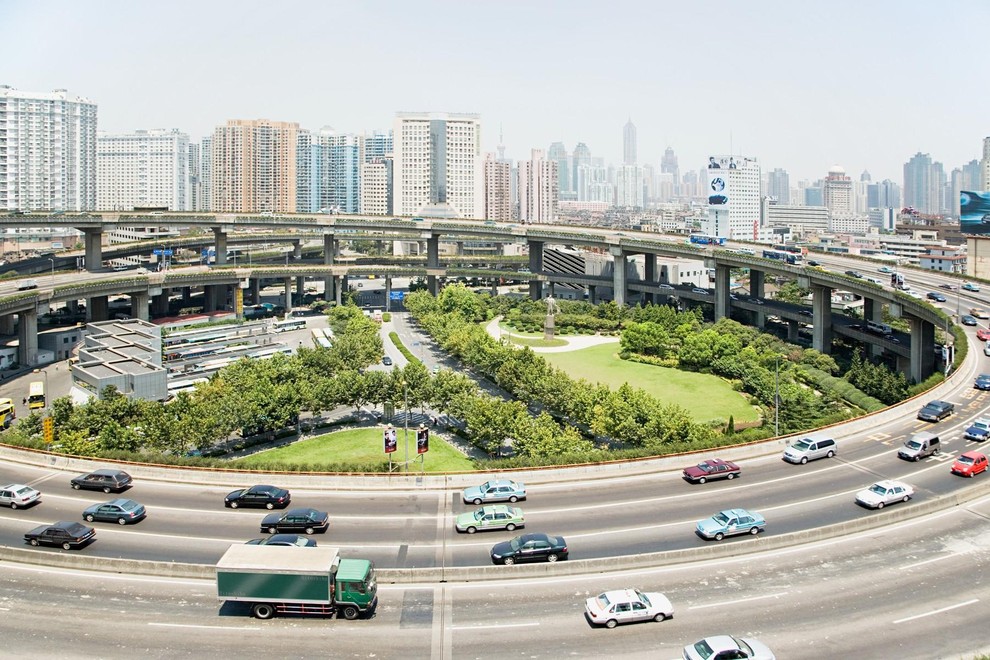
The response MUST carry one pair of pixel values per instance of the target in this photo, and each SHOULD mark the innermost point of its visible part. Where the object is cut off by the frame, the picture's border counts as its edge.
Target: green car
(497, 516)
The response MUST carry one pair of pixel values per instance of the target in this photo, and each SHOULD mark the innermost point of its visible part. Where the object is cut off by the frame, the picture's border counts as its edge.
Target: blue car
(731, 522)
(968, 320)
(119, 511)
(496, 490)
(936, 296)
(982, 382)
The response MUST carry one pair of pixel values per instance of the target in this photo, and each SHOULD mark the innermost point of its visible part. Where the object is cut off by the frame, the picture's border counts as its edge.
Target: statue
(549, 328)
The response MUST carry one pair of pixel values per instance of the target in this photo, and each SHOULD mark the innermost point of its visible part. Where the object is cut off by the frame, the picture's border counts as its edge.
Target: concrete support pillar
(220, 244)
(337, 288)
(388, 293)
(651, 275)
(300, 288)
(433, 285)
(553, 288)
(873, 311)
(821, 305)
(27, 338)
(722, 299)
(93, 238)
(328, 288)
(159, 304)
(460, 248)
(287, 284)
(139, 306)
(756, 290)
(98, 309)
(210, 298)
(254, 288)
(433, 252)
(535, 267)
(792, 331)
(329, 249)
(186, 295)
(593, 294)
(922, 351)
(297, 250)
(7, 324)
(618, 275)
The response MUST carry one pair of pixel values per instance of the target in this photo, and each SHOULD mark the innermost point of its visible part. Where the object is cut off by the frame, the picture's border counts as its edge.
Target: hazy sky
(799, 85)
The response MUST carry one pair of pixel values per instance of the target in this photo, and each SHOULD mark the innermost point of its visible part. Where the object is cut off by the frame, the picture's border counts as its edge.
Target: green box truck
(290, 580)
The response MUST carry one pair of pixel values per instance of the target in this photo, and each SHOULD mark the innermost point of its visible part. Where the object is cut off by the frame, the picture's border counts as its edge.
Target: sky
(798, 85)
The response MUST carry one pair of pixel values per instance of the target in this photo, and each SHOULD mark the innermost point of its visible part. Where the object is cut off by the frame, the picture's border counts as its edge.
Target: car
(885, 269)
(853, 273)
(68, 534)
(611, 608)
(919, 446)
(496, 490)
(700, 290)
(979, 312)
(812, 262)
(718, 647)
(969, 286)
(107, 480)
(979, 430)
(18, 496)
(435, 370)
(530, 547)
(258, 496)
(714, 468)
(729, 523)
(756, 301)
(268, 214)
(806, 312)
(387, 361)
(855, 326)
(496, 516)
(983, 334)
(969, 464)
(948, 287)
(982, 382)
(936, 296)
(120, 511)
(292, 540)
(966, 319)
(810, 449)
(665, 287)
(883, 493)
(308, 521)
(936, 411)
(892, 339)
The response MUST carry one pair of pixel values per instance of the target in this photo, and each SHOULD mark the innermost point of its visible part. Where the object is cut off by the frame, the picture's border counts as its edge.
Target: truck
(294, 580)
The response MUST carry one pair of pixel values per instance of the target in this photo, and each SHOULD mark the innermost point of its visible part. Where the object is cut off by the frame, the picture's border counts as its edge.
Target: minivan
(106, 480)
(919, 446)
(809, 449)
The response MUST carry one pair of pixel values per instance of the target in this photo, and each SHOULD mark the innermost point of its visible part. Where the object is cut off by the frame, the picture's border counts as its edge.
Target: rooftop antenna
(501, 143)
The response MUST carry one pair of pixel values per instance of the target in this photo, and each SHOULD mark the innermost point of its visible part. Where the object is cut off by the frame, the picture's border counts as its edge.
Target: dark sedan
(530, 547)
(968, 320)
(936, 411)
(268, 497)
(982, 382)
(119, 511)
(936, 296)
(292, 540)
(715, 468)
(107, 480)
(66, 534)
(307, 521)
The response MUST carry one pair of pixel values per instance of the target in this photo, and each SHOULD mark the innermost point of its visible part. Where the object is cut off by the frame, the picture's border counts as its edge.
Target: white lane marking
(944, 609)
(105, 575)
(736, 602)
(503, 625)
(189, 625)
(928, 561)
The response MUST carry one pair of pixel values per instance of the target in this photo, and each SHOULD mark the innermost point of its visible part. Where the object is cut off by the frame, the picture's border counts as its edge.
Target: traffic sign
(396, 295)
(48, 429)
(161, 253)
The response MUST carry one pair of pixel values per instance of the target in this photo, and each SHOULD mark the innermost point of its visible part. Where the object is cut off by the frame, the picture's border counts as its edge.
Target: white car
(18, 495)
(727, 646)
(611, 608)
(883, 493)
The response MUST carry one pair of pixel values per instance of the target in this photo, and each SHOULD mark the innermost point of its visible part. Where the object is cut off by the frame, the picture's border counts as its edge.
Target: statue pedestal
(549, 329)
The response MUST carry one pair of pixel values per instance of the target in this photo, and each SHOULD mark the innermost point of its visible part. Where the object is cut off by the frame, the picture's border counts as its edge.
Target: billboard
(974, 212)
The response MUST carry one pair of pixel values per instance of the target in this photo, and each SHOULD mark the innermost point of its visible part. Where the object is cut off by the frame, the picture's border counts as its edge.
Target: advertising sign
(422, 440)
(974, 212)
(390, 440)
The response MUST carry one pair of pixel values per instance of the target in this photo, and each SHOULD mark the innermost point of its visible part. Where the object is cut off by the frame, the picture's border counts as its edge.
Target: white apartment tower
(143, 169)
(437, 164)
(733, 194)
(498, 189)
(984, 165)
(47, 151)
(376, 186)
(539, 189)
(629, 186)
(837, 192)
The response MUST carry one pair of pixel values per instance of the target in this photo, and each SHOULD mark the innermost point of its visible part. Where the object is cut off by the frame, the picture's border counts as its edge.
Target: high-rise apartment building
(498, 188)
(971, 176)
(558, 153)
(779, 186)
(194, 176)
(924, 183)
(629, 186)
(204, 201)
(143, 169)
(539, 192)
(438, 165)
(375, 146)
(593, 184)
(733, 195)
(629, 143)
(47, 151)
(838, 192)
(884, 195)
(338, 170)
(254, 166)
(376, 186)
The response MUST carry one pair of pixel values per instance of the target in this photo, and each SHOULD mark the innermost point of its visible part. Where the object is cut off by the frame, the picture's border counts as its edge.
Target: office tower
(437, 164)
(307, 185)
(837, 192)
(733, 194)
(813, 196)
(143, 169)
(205, 200)
(376, 186)
(985, 165)
(539, 191)
(955, 187)
(865, 176)
(581, 156)
(689, 184)
(779, 186)
(254, 166)
(375, 146)
(651, 187)
(558, 153)
(668, 164)
(971, 176)
(924, 183)
(498, 189)
(337, 170)
(629, 186)
(593, 184)
(629, 143)
(883, 195)
(47, 151)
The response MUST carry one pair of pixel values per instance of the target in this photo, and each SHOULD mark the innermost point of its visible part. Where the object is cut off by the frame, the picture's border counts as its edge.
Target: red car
(983, 334)
(970, 464)
(715, 468)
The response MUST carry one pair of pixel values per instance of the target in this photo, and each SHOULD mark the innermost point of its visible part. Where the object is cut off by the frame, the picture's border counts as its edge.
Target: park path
(574, 342)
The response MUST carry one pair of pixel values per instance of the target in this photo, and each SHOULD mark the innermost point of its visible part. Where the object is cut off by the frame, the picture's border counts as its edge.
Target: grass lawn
(363, 445)
(534, 341)
(705, 397)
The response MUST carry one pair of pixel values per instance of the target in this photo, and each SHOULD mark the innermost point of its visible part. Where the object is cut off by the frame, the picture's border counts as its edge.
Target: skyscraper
(629, 143)
(580, 156)
(338, 171)
(924, 183)
(629, 186)
(143, 169)
(376, 145)
(498, 188)
(204, 200)
(668, 164)
(985, 165)
(47, 151)
(779, 186)
(733, 194)
(837, 192)
(539, 191)
(558, 153)
(437, 164)
(254, 166)
(376, 186)
(194, 176)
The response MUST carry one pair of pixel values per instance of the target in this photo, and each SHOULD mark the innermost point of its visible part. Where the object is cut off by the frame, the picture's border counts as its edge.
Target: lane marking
(736, 602)
(944, 609)
(190, 625)
(929, 561)
(493, 626)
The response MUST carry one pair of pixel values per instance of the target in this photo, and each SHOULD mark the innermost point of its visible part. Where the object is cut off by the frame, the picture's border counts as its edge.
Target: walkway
(574, 342)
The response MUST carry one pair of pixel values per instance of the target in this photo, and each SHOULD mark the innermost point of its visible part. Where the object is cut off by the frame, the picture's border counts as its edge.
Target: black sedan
(66, 534)
(307, 521)
(530, 547)
(982, 382)
(258, 496)
(936, 296)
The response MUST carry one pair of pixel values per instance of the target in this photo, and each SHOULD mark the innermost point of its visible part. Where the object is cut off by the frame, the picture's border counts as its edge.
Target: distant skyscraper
(924, 183)
(884, 195)
(539, 191)
(668, 164)
(629, 143)
(629, 186)
(47, 151)
(498, 189)
(593, 185)
(194, 176)
(779, 186)
(837, 192)
(865, 176)
(339, 170)
(437, 164)
(143, 169)
(204, 199)
(558, 153)
(985, 165)
(733, 195)
(306, 174)
(813, 196)
(581, 156)
(971, 176)
(254, 166)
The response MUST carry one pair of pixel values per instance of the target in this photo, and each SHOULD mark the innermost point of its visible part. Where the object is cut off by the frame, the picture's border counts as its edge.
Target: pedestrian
(25, 401)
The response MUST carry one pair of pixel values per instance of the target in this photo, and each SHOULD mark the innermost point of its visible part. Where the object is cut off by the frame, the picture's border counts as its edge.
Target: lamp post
(405, 423)
(776, 396)
(51, 259)
(45, 374)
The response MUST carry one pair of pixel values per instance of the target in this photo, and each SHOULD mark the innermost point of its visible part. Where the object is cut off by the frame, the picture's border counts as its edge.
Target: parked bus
(786, 257)
(7, 413)
(702, 239)
(36, 395)
(174, 388)
(793, 249)
(290, 324)
(269, 352)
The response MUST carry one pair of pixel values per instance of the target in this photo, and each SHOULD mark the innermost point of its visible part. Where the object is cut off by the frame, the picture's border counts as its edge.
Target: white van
(809, 449)
(986, 348)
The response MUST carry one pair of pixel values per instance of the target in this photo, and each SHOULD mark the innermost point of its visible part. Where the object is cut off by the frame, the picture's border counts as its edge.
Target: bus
(701, 239)
(320, 340)
(793, 249)
(36, 395)
(786, 257)
(176, 387)
(290, 324)
(7, 413)
(269, 352)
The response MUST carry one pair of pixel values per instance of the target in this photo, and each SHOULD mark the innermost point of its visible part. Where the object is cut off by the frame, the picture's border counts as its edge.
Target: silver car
(17, 496)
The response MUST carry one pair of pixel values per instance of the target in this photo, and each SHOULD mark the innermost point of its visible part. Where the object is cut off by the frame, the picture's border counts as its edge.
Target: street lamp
(405, 422)
(45, 374)
(776, 396)
(51, 259)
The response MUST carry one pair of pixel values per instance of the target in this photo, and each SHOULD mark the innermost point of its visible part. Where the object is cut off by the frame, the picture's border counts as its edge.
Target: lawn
(362, 445)
(705, 397)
